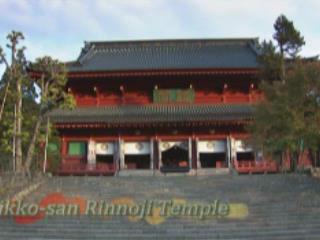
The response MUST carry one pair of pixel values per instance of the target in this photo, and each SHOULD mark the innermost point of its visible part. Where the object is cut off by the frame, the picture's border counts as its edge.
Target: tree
(287, 118)
(6, 79)
(289, 41)
(29, 110)
(16, 74)
(269, 61)
(51, 81)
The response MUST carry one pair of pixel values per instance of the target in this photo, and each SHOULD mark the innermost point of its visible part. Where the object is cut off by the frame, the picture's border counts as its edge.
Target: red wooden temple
(161, 106)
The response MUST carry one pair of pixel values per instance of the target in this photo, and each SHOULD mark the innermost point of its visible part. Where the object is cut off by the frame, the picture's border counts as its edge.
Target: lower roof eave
(97, 125)
(163, 72)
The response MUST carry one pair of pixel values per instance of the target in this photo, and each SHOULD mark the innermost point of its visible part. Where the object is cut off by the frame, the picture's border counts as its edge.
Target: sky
(59, 27)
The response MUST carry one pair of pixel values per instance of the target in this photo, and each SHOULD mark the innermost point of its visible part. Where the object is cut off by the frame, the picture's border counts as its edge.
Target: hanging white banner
(105, 148)
(137, 148)
(242, 147)
(214, 146)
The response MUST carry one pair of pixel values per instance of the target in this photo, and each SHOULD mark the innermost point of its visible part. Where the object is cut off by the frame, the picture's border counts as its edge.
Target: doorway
(107, 159)
(175, 157)
(137, 155)
(137, 161)
(245, 156)
(212, 160)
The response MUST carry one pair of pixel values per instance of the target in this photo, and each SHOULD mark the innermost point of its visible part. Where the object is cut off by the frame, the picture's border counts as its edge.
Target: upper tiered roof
(167, 55)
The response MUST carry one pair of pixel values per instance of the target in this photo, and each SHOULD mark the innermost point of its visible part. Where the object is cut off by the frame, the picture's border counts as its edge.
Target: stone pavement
(278, 207)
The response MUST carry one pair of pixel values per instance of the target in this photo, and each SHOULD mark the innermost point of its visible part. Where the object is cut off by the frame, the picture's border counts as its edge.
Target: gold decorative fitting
(210, 145)
(165, 145)
(139, 146)
(104, 146)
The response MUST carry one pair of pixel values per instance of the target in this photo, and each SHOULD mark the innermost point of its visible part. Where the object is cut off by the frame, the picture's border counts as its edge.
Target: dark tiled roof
(166, 54)
(153, 113)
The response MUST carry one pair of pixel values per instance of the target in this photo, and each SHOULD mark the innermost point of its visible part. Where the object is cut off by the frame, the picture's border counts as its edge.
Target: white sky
(59, 27)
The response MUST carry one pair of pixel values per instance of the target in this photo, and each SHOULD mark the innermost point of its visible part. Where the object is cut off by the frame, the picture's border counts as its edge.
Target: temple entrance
(174, 157)
(104, 153)
(137, 161)
(244, 152)
(212, 160)
(137, 155)
(108, 159)
(212, 154)
(245, 156)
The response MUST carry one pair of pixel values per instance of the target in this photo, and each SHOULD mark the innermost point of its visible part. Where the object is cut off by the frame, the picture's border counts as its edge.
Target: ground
(262, 207)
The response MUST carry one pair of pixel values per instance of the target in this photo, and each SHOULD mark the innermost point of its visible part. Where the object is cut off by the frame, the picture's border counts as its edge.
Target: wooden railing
(87, 169)
(251, 166)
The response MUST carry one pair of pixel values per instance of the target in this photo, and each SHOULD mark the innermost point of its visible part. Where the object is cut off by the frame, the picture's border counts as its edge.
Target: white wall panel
(137, 147)
(215, 146)
(105, 148)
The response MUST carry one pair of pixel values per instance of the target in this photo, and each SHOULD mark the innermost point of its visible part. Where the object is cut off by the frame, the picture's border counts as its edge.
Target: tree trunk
(18, 137)
(32, 145)
(283, 66)
(4, 99)
(46, 146)
(283, 71)
(14, 141)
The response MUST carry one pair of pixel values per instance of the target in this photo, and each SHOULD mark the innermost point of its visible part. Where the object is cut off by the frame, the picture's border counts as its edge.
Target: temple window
(77, 148)
(173, 95)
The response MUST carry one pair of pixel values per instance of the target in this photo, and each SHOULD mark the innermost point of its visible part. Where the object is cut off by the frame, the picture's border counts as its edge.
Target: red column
(63, 149)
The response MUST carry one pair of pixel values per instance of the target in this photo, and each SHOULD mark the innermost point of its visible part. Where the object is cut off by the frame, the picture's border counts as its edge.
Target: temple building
(161, 106)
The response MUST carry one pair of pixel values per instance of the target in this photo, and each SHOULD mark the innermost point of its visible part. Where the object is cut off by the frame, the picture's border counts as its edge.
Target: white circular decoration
(210, 145)
(165, 145)
(104, 147)
(139, 146)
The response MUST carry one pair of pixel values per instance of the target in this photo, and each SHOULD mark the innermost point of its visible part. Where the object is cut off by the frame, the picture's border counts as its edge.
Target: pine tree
(51, 82)
(17, 76)
(288, 117)
(289, 41)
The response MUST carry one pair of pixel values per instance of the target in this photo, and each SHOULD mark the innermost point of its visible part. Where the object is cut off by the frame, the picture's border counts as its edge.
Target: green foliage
(288, 38)
(29, 113)
(53, 153)
(52, 82)
(269, 61)
(51, 85)
(288, 117)
(290, 114)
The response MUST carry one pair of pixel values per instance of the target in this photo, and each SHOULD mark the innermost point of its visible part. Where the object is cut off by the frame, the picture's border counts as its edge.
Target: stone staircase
(280, 207)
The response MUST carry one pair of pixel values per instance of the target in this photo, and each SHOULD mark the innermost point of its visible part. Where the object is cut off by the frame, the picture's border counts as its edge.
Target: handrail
(255, 166)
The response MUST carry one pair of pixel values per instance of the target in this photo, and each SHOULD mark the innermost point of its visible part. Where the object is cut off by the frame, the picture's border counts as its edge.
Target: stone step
(280, 207)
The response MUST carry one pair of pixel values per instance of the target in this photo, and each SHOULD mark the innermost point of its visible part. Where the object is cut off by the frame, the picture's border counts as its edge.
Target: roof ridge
(166, 42)
(175, 39)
